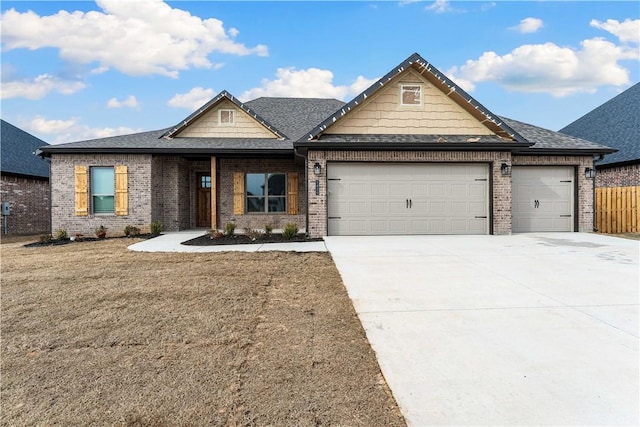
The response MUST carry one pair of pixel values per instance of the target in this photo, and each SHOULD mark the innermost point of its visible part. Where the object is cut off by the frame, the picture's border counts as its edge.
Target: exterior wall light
(590, 173)
(317, 169)
(505, 169)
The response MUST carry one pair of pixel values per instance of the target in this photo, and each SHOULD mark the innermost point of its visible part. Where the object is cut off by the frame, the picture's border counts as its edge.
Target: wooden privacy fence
(617, 210)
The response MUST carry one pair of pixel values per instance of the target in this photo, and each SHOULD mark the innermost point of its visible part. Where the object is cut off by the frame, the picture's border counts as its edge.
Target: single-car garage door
(401, 198)
(542, 198)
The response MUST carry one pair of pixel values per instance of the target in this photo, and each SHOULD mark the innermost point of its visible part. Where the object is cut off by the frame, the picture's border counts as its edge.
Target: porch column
(214, 194)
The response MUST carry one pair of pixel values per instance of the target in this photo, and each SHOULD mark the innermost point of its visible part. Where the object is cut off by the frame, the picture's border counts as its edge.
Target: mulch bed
(58, 242)
(241, 239)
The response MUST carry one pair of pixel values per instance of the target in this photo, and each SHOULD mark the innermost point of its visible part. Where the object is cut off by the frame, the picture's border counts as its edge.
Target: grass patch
(95, 334)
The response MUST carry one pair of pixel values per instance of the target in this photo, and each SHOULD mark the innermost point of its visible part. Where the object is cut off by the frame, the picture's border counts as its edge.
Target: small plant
(61, 234)
(289, 231)
(131, 231)
(230, 228)
(215, 234)
(79, 237)
(268, 229)
(101, 232)
(46, 238)
(252, 233)
(156, 228)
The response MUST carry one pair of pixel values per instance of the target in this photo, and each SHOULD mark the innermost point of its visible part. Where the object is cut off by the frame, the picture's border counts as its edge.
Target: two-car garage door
(401, 198)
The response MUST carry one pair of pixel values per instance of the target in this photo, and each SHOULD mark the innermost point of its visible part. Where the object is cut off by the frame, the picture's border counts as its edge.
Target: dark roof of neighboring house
(615, 123)
(17, 152)
(545, 139)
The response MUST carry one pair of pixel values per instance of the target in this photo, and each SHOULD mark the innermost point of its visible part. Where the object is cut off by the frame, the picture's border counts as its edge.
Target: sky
(82, 70)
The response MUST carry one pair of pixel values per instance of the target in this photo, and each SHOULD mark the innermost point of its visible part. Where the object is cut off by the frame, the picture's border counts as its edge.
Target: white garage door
(542, 198)
(394, 198)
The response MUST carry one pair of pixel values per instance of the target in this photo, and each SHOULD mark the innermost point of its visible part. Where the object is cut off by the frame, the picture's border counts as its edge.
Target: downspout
(306, 189)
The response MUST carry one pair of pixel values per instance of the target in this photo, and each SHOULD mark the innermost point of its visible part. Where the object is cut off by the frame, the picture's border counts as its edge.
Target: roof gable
(437, 81)
(616, 123)
(18, 152)
(204, 122)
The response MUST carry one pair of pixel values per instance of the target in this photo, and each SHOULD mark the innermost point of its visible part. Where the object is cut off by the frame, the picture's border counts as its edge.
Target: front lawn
(93, 334)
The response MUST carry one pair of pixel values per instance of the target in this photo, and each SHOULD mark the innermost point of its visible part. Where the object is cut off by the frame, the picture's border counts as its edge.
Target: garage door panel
(543, 198)
(408, 198)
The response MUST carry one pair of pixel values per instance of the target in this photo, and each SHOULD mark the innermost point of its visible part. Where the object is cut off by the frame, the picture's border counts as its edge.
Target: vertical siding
(207, 125)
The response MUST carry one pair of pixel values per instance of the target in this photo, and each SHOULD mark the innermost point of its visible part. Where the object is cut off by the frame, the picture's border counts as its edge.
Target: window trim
(418, 85)
(232, 115)
(266, 196)
(92, 194)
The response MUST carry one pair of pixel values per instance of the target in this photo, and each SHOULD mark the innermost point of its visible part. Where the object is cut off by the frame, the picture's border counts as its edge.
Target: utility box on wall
(6, 208)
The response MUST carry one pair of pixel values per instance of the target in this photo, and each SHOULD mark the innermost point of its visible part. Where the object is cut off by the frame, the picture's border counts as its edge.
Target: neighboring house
(412, 154)
(25, 182)
(615, 123)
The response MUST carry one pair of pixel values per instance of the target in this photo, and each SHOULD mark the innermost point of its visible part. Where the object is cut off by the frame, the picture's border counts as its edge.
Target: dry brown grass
(93, 334)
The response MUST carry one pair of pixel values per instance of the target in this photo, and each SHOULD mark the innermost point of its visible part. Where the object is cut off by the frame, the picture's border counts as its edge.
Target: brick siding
(29, 199)
(257, 220)
(501, 194)
(63, 193)
(621, 176)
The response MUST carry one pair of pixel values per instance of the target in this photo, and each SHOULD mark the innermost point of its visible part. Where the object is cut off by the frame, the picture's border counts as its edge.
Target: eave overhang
(173, 151)
(435, 146)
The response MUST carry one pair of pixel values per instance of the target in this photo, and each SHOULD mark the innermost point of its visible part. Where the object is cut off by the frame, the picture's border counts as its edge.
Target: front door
(203, 200)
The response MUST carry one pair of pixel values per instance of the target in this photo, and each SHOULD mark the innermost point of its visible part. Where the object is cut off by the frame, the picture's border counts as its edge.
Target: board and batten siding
(207, 126)
(383, 114)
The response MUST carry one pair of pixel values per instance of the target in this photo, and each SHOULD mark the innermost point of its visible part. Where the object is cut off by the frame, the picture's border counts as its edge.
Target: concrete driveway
(529, 329)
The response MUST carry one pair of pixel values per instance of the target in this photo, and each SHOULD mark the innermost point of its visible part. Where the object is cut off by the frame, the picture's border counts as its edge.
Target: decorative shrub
(252, 234)
(289, 231)
(46, 238)
(156, 228)
(61, 234)
(268, 229)
(215, 234)
(131, 231)
(101, 232)
(230, 228)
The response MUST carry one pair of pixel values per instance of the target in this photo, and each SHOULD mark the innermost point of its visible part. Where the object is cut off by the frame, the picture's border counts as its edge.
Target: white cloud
(403, 3)
(39, 87)
(130, 102)
(548, 68)
(195, 98)
(312, 83)
(528, 25)
(627, 31)
(136, 38)
(61, 131)
(440, 6)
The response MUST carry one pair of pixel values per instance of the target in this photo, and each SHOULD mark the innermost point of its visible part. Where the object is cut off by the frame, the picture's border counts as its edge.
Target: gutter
(178, 151)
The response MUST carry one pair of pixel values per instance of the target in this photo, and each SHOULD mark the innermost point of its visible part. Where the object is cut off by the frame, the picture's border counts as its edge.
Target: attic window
(411, 95)
(226, 117)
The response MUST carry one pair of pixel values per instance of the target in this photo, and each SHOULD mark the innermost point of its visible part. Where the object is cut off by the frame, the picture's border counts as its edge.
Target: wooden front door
(203, 200)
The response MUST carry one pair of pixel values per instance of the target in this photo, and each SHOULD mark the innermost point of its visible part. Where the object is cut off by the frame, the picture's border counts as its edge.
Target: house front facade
(412, 154)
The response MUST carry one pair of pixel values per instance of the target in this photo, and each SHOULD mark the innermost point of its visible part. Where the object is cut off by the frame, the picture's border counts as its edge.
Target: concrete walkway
(171, 242)
(530, 329)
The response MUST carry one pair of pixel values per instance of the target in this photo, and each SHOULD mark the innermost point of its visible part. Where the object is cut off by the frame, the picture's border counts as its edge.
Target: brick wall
(29, 199)
(226, 168)
(585, 185)
(139, 179)
(502, 185)
(622, 176)
(501, 194)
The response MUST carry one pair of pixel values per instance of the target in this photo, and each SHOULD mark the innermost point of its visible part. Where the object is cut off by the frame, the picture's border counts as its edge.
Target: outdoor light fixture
(590, 173)
(505, 169)
(317, 169)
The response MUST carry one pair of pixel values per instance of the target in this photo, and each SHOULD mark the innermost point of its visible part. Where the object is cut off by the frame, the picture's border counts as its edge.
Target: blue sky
(82, 70)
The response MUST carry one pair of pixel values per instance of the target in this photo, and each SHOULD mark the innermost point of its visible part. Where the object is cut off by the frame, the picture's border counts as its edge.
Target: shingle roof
(295, 116)
(17, 152)
(615, 123)
(545, 139)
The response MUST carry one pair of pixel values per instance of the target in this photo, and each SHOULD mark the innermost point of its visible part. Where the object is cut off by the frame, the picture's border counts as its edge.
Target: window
(411, 95)
(103, 190)
(226, 117)
(266, 192)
